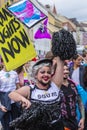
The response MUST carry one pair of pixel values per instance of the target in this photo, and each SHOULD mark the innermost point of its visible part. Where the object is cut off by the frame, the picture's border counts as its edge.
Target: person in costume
(44, 92)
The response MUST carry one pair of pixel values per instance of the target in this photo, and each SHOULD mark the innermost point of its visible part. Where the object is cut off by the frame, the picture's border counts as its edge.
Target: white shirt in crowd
(8, 80)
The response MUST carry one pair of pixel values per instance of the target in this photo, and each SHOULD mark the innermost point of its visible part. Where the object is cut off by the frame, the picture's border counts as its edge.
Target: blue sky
(70, 8)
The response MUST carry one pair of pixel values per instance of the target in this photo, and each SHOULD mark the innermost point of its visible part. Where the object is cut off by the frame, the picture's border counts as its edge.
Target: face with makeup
(43, 76)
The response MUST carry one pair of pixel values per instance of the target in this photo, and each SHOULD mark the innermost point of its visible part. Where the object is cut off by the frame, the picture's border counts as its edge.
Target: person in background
(9, 110)
(68, 106)
(80, 78)
(77, 70)
(78, 73)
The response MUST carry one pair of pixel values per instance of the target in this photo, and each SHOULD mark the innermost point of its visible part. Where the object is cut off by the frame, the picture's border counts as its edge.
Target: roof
(53, 28)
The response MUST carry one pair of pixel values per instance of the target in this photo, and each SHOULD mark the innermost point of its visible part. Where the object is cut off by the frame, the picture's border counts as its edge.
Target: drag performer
(45, 95)
(42, 102)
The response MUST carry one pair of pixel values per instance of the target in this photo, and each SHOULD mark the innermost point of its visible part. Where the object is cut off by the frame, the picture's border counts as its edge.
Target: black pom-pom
(63, 44)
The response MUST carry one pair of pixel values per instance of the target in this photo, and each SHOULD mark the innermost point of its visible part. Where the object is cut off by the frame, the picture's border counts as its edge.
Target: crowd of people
(58, 79)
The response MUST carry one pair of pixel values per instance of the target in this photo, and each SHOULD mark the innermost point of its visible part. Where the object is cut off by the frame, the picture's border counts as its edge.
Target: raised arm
(58, 74)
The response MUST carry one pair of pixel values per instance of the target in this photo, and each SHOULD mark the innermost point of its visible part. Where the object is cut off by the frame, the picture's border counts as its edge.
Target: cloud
(72, 9)
(69, 8)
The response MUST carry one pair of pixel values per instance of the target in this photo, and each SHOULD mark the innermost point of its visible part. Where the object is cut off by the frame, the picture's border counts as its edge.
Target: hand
(3, 108)
(25, 103)
(81, 124)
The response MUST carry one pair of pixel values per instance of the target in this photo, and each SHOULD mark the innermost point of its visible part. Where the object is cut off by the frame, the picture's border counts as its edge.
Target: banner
(15, 46)
(27, 12)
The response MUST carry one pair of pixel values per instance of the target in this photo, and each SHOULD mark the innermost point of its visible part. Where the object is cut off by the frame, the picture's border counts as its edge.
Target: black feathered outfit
(40, 116)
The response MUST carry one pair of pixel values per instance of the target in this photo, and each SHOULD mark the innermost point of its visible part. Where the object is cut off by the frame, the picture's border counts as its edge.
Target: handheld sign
(27, 12)
(15, 46)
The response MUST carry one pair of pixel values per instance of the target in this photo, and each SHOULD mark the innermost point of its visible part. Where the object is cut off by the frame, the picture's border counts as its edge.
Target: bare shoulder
(24, 91)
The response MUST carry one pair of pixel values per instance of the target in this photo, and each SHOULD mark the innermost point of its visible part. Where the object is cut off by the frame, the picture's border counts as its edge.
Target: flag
(27, 12)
